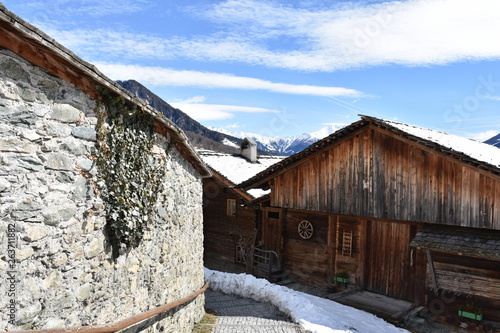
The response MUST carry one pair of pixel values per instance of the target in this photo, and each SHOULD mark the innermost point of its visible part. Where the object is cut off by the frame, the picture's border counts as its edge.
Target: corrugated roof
(465, 150)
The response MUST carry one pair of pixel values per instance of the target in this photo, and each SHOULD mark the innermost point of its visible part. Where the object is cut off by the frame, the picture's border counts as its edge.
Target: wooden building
(229, 224)
(229, 221)
(406, 212)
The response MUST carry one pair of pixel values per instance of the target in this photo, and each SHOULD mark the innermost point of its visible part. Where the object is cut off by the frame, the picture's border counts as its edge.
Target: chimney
(249, 149)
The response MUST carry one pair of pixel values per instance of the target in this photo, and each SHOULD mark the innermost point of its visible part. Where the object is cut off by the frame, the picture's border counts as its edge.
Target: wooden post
(332, 232)
(433, 273)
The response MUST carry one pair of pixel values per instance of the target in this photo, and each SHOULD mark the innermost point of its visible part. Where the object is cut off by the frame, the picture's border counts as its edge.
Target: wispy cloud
(200, 111)
(164, 76)
(494, 98)
(350, 35)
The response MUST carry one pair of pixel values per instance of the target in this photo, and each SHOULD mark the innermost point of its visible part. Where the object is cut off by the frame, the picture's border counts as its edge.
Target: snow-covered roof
(480, 151)
(236, 168)
(464, 149)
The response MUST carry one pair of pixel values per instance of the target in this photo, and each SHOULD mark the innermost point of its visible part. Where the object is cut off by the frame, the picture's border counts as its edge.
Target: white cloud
(184, 78)
(483, 136)
(202, 112)
(235, 125)
(349, 35)
(494, 98)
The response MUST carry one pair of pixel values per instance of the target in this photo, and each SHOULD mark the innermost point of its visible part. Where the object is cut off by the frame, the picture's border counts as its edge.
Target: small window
(231, 207)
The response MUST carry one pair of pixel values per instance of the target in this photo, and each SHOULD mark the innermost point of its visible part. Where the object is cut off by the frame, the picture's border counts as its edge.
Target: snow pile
(480, 151)
(315, 314)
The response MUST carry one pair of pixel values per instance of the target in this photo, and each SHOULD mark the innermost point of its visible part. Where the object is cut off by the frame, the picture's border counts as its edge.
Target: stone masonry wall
(56, 263)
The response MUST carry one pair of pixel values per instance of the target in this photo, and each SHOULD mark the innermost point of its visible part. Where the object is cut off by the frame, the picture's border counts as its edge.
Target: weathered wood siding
(307, 259)
(223, 232)
(349, 262)
(391, 261)
(465, 279)
(375, 173)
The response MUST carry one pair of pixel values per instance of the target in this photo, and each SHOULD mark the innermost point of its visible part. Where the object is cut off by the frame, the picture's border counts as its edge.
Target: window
(231, 207)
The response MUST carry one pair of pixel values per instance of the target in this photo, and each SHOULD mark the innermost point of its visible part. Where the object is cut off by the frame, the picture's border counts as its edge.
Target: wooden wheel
(305, 229)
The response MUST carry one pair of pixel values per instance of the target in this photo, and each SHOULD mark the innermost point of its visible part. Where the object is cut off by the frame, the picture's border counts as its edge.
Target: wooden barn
(398, 210)
(229, 219)
(229, 224)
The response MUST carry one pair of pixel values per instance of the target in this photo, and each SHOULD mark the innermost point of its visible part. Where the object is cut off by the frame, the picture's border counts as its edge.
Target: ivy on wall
(131, 175)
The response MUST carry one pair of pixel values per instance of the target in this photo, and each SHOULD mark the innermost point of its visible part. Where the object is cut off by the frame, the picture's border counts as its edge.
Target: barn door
(391, 266)
(271, 231)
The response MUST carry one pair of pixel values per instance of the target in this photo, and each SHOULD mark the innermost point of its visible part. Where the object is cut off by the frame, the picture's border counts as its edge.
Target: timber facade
(367, 200)
(229, 224)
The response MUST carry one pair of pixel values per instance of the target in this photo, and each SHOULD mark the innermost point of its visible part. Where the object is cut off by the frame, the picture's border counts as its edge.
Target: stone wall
(56, 262)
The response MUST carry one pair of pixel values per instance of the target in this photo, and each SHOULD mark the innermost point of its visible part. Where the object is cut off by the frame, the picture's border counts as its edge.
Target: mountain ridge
(494, 141)
(284, 145)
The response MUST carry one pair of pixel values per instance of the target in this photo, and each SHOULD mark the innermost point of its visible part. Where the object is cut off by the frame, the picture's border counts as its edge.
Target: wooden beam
(433, 273)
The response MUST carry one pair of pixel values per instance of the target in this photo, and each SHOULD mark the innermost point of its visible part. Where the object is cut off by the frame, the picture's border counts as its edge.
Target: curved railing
(131, 321)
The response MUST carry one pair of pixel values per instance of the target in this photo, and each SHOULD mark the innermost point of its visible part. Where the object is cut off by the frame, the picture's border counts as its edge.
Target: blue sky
(282, 68)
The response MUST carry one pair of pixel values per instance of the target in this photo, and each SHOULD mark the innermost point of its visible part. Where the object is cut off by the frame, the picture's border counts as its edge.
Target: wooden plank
(432, 273)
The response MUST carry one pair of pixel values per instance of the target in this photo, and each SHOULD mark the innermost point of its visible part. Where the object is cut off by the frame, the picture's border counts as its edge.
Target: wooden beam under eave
(42, 57)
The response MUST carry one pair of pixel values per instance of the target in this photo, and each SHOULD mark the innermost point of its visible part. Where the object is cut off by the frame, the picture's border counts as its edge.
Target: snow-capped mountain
(495, 141)
(287, 145)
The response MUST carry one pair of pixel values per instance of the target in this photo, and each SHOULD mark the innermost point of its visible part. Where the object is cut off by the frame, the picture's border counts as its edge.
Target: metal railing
(126, 323)
(266, 258)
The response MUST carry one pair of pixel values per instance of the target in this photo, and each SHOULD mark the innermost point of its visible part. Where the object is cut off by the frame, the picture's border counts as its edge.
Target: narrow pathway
(241, 315)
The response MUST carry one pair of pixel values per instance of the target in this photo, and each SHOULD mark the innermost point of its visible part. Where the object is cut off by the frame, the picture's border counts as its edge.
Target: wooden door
(391, 261)
(271, 238)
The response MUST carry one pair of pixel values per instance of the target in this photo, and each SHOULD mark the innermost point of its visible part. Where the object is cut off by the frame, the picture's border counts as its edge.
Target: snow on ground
(236, 168)
(478, 150)
(315, 314)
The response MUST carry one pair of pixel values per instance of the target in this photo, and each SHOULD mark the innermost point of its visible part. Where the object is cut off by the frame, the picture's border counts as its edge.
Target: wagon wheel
(305, 229)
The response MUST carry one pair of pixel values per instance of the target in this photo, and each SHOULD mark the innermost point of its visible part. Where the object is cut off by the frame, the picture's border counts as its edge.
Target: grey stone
(30, 162)
(82, 187)
(30, 135)
(74, 146)
(9, 90)
(86, 133)
(57, 129)
(17, 146)
(55, 214)
(28, 313)
(23, 254)
(84, 292)
(85, 164)
(59, 259)
(13, 70)
(65, 113)
(28, 95)
(54, 323)
(59, 161)
(23, 215)
(28, 204)
(41, 109)
(65, 177)
(4, 185)
(19, 116)
(93, 248)
(33, 233)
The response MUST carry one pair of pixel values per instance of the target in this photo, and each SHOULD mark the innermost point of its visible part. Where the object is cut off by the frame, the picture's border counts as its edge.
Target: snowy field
(315, 314)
